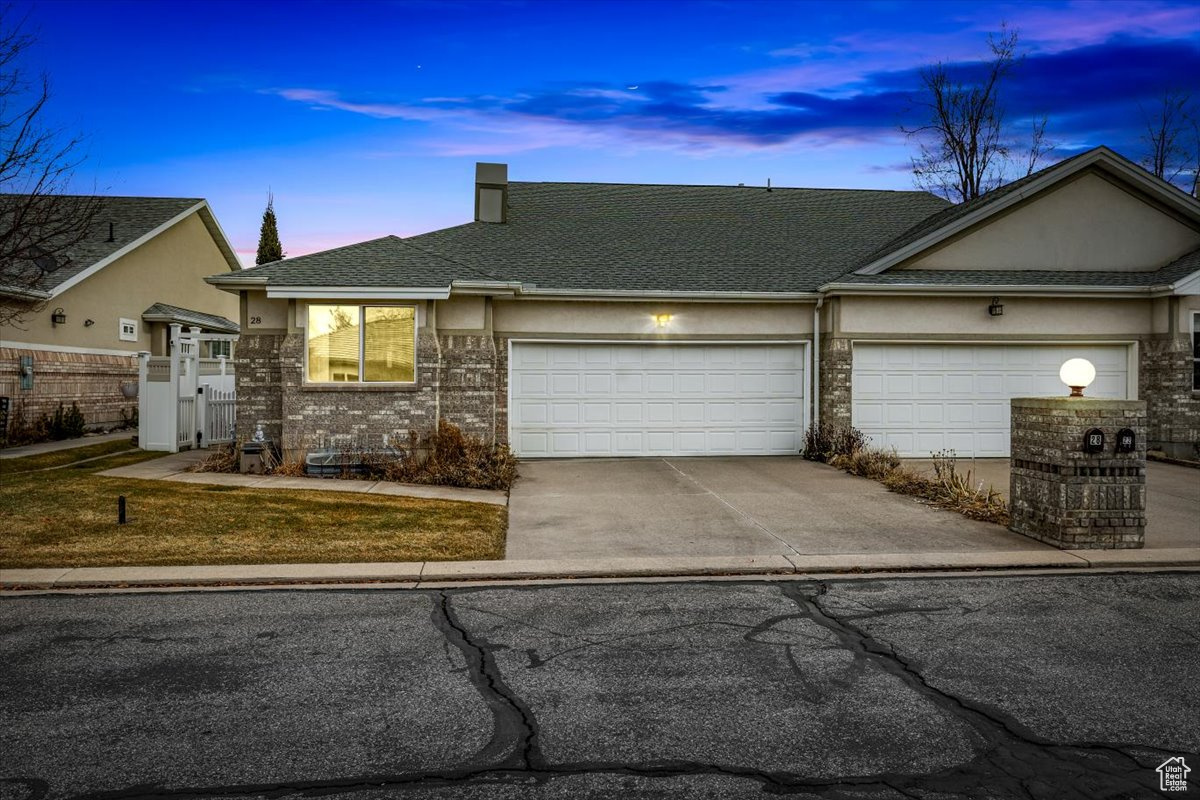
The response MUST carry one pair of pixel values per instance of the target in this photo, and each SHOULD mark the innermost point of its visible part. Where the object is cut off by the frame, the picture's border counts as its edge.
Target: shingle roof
(161, 312)
(385, 262)
(630, 237)
(131, 218)
(1165, 276)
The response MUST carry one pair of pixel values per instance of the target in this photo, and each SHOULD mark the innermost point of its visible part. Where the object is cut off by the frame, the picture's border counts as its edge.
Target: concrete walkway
(418, 573)
(175, 467)
(66, 444)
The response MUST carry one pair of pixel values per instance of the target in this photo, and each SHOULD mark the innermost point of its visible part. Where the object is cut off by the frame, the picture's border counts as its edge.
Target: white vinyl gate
(652, 398)
(920, 398)
(184, 400)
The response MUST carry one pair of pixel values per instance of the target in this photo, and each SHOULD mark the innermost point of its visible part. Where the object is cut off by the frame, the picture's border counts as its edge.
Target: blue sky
(366, 118)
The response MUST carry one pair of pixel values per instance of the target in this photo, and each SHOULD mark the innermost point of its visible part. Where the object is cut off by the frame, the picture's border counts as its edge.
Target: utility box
(251, 458)
(1078, 472)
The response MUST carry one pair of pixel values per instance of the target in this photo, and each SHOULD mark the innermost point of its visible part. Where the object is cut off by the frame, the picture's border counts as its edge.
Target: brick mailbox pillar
(1076, 491)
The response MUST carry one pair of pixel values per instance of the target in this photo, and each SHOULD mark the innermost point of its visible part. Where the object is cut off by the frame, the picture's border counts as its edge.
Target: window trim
(362, 329)
(132, 336)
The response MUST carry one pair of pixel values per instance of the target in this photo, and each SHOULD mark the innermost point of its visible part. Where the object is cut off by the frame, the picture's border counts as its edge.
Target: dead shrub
(868, 462)
(951, 490)
(824, 441)
(449, 457)
(222, 459)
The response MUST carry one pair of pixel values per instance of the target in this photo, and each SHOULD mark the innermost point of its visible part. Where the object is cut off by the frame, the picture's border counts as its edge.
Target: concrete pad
(873, 562)
(724, 507)
(602, 567)
(1172, 506)
(184, 575)
(317, 484)
(1157, 557)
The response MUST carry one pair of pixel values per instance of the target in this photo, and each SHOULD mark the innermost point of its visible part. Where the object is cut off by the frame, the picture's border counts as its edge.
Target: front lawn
(68, 518)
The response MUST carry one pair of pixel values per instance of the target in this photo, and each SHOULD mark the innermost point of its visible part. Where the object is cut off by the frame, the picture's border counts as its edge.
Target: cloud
(1086, 91)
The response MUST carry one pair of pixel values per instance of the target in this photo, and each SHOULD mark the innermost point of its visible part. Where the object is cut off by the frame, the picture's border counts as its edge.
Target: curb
(413, 574)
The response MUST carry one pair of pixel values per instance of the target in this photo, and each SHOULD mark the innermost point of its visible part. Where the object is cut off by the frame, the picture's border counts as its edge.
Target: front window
(1196, 351)
(218, 348)
(361, 344)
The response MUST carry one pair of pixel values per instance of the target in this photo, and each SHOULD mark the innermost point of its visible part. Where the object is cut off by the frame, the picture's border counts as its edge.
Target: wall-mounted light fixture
(1077, 373)
(996, 309)
(58, 316)
(87, 323)
(662, 320)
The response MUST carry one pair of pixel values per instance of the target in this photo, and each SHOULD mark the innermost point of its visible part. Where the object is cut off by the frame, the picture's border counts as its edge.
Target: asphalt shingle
(130, 217)
(162, 312)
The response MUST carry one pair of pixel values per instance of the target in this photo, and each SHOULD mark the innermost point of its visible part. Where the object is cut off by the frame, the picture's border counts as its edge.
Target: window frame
(362, 331)
(1192, 342)
(132, 336)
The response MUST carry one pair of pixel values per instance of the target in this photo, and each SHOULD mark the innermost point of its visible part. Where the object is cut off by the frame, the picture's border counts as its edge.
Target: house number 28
(1093, 441)
(256, 320)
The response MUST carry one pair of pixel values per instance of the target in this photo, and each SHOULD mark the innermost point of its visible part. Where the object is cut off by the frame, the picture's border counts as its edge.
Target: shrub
(868, 462)
(220, 459)
(823, 441)
(21, 430)
(129, 419)
(449, 457)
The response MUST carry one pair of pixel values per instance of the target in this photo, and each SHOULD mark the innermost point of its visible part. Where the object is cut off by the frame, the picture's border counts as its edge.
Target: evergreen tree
(269, 248)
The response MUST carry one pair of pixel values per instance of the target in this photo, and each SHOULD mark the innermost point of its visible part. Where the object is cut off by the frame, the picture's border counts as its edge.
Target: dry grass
(68, 518)
(950, 489)
(61, 457)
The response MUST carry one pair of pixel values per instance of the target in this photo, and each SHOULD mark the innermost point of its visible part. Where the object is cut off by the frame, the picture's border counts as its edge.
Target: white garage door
(919, 398)
(656, 399)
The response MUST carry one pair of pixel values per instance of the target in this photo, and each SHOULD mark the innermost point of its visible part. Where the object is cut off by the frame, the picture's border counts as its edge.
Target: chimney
(491, 192)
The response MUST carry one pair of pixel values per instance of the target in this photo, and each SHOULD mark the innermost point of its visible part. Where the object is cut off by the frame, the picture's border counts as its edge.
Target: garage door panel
(656, 399)
(896, 404)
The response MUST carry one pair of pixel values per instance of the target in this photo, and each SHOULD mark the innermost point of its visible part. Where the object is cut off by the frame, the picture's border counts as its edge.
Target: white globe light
(1077, 373)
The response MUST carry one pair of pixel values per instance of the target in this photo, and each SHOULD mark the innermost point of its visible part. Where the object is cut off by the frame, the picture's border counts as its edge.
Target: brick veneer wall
(259, 385)
(1165, 383)
(1061, 495)
(836, 363)
(93, 381)
(460, 378)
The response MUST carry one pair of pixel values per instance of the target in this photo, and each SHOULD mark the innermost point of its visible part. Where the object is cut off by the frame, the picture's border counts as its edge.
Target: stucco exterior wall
(170, 268)
(1085, 224)
(567, 319)
(967, 317)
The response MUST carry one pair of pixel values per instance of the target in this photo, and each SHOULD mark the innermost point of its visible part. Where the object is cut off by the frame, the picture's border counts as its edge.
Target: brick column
(1063, 495)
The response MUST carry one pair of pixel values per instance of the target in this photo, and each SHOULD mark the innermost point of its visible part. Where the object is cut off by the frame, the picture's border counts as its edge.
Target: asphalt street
(1024, 687)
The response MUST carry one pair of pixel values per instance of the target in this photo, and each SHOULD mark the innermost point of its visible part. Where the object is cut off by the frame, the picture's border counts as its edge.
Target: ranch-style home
(596, 320)
(140, 268)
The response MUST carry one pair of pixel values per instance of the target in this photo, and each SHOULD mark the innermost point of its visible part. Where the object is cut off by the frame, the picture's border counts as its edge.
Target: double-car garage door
(920, 398)
(656, 399)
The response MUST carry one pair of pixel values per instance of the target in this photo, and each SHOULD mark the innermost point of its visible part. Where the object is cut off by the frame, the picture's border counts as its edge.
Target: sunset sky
(366, 118)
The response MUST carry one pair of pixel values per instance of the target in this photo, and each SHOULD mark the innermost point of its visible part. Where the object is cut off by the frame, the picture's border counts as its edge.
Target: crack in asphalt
(1012, 761)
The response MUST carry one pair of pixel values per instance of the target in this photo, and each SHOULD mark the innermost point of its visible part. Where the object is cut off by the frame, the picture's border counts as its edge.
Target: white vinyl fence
(186, 401)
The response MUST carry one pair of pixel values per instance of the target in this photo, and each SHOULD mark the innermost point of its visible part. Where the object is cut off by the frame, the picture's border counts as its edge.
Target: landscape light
(1077, 373)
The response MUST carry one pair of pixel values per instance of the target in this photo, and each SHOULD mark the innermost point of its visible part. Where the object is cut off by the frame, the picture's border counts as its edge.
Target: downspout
(815, 370)
(431, 324)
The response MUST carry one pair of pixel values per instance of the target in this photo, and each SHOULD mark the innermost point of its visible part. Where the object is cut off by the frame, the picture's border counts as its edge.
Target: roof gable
(1096, 211)
(122, 225)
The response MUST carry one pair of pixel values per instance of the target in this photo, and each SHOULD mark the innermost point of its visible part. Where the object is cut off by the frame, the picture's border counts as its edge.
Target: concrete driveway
(601, 508)
(1172, 496)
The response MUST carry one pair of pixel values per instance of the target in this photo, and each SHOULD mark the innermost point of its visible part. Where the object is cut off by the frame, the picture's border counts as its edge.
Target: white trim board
(89, 351)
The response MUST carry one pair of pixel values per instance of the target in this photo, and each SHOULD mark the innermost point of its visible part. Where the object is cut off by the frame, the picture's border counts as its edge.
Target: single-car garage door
(920, 398)
(651, 399)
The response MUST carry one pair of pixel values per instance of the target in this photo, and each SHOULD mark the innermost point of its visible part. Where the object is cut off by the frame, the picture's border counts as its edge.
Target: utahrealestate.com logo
(1172, 775)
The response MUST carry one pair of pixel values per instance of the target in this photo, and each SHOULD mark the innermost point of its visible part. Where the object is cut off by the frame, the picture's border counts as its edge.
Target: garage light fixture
(662, 320)
(996, 309)
(58, 317)
(1077, 373)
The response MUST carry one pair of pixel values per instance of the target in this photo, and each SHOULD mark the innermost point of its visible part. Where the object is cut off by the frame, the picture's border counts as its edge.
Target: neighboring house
(140, 269)
(576, 319)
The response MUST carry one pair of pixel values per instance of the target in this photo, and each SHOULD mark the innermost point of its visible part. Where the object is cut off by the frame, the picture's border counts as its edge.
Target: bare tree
(39, 224)
(964, 147)
(1172, 138)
